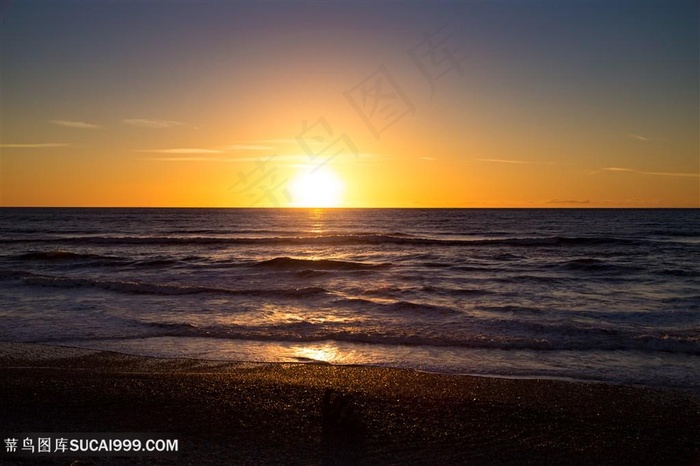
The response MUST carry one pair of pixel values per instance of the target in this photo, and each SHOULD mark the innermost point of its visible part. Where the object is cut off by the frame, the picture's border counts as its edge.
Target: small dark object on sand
(341, 427)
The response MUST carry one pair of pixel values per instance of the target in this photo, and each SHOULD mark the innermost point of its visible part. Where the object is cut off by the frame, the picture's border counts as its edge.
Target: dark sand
(237, 413)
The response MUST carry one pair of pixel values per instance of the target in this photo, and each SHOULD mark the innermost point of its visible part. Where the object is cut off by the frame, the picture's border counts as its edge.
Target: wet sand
(243, 413)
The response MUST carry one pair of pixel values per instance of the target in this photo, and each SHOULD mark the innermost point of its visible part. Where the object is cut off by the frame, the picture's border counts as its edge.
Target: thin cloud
(74, 124)
(34, 146)
(186, 150)
(293, 160)
(671, 174)
(275, 141)
(638, 137)
(639, 172)
(248, 147)
(146, 123)
(191, 159)
(618, 169)
(276, 158)
(271, 159)
(568, 201)
(286, 141)
(504, 161)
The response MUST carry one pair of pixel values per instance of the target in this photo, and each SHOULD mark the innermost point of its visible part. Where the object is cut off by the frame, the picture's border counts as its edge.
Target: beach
(225, 412)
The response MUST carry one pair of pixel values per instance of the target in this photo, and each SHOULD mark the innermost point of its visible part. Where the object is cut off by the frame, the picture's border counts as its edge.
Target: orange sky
(532, 105)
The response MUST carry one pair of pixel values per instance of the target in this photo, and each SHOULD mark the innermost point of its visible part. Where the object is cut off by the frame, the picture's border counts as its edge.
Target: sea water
(610, 295)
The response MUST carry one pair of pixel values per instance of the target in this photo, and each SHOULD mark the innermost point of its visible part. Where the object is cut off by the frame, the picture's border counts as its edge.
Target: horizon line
(577, 207)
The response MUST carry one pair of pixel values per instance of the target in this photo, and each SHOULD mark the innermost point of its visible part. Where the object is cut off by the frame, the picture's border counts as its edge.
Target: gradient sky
(532, 104)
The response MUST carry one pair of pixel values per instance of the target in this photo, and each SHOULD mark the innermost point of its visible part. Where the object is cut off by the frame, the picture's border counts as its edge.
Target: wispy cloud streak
(290, 158)
(618, 169)
(568, 201)
(638, 137)
(243, 147)
(192, 159)
(640, 172)
(505, 161)
(146, 123)
(34, 146)
(693, 175)
(74, 124)
(185, 150)
(275, 141)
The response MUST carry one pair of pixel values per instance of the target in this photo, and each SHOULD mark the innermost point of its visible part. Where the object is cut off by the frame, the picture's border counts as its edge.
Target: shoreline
(59, 351)
(263, 413)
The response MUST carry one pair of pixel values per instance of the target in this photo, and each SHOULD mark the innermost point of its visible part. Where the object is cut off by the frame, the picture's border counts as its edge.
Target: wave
(63, 256)
(135, 287)
(156, 262)
(436, 265)
(480, 268)
(335, 240)
(415, 290)
(595, 265)
(682, 233)
(510, 309)
(681, 316)
(289, 263)
(309, 332)
(507, 257)
(681, 273)
(684, 303)
(215, 231)
(403, 307)
(308, 274)
(632, 318)
(76, 259)
(521, 278)
(12, 274)
(449, 291)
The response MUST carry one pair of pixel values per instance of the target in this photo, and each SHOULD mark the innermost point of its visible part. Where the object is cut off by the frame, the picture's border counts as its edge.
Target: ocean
(609, 295)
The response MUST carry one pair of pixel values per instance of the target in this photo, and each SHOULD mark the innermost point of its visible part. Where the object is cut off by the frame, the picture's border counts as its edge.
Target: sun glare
(320, 188)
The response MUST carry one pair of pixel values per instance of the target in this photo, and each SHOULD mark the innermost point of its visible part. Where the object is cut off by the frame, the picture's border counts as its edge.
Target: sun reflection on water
(326, 353)
(317, 223)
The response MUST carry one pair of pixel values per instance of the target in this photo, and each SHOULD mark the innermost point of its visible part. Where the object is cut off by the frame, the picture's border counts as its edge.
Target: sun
(321, 187)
